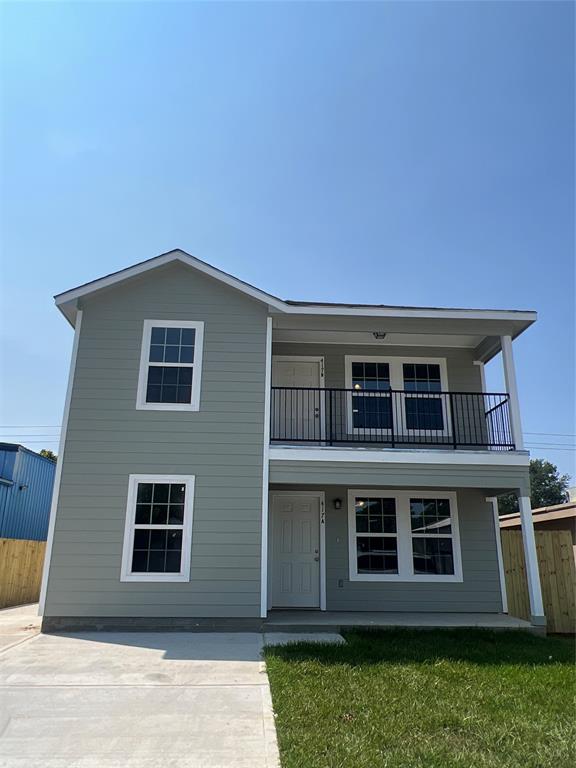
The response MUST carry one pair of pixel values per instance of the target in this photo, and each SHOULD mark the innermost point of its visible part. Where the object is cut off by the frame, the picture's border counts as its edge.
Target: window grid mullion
(158, 527)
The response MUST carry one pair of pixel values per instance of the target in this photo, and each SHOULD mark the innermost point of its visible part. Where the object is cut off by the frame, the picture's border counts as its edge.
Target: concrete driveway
(136, 699)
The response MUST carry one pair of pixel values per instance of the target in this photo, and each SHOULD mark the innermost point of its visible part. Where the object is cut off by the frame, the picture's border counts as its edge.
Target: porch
(378, 554)
(414, 383)
(336, 621)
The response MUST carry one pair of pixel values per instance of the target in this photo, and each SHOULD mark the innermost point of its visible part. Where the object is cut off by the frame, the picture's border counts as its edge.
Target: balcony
(391, 418)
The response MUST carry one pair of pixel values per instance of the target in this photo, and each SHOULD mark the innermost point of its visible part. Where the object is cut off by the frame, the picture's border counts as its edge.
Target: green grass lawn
(420, 699)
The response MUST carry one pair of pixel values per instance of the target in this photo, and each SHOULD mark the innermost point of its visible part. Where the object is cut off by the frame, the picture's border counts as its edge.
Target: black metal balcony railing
(391, 417)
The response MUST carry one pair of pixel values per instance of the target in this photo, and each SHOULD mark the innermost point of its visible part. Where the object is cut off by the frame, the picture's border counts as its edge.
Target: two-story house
(226, 454)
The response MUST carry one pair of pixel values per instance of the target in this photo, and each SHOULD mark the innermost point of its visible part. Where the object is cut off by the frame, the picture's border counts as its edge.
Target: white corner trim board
(266, 472)
(58, 475)
(494, 501)
(399, 456)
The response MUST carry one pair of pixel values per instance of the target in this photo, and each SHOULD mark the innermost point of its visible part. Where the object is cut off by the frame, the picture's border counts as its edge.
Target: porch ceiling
(479, 333)
(306, 336)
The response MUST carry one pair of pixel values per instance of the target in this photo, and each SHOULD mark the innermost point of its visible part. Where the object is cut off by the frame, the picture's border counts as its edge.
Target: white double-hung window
(400, 397)
(158, 528)
(170, 365)
(403, 536)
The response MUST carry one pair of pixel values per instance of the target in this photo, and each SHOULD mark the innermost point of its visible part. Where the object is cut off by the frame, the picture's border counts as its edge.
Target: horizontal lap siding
(479, 591)
(463, 375)
(108, 439)
(408, 474)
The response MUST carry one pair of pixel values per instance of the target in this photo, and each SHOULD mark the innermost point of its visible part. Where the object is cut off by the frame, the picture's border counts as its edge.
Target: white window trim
(129, 528)
(397, 383)
(196, 365)
(404, 536)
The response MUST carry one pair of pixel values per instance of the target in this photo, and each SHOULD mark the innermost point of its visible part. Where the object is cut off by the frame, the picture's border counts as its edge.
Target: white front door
(297, 408)
(295, 556)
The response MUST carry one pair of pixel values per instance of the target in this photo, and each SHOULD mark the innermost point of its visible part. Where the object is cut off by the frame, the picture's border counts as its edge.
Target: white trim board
(59, 463)
(404, 537)
(322, 538)
(493, 500)
(266, 473)
(400, 456)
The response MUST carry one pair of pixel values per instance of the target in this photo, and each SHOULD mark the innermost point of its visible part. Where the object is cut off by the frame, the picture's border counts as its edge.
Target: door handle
(316, 558)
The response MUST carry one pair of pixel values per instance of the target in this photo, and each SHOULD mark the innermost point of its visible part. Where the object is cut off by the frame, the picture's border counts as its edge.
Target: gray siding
(108, 439)
(488, 477)
(463, 375)
(479, 591)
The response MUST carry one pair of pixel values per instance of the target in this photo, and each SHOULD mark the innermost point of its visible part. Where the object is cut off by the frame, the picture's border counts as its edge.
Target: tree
(48, 454)
(547, 487)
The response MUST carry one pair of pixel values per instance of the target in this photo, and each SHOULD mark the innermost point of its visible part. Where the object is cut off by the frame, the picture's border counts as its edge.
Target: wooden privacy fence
(20, 571)
(557, 577)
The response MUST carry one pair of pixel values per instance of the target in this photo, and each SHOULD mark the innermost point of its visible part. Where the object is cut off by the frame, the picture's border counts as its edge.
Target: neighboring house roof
(7, 468)
(518, 320)
(542, 514)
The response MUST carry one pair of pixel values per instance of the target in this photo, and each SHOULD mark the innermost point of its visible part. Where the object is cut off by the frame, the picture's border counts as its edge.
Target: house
(559, 517)
(226, 454)
(26, 483)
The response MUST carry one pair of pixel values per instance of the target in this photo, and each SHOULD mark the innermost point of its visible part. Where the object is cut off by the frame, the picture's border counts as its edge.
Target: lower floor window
(157, 538)
(403, 536)
(431, 529)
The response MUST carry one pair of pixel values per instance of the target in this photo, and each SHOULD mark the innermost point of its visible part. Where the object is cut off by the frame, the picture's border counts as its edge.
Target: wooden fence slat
(20, 571)
(557, 577)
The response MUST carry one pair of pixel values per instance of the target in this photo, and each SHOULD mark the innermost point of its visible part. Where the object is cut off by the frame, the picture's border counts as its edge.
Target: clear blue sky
(403, 153)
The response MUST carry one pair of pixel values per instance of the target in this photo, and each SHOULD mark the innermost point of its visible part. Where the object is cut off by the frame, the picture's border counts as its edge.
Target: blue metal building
(26, 483)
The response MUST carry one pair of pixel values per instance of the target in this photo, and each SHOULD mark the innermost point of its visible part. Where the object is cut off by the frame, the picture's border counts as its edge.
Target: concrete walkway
(18, 624)
(133, 700)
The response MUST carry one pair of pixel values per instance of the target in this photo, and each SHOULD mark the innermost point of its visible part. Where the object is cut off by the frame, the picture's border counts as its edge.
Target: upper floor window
(371, 410)
(423, 412)
(397, 396)
(170, 365)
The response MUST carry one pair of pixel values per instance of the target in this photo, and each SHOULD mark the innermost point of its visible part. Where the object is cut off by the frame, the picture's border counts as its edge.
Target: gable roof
(67, 301)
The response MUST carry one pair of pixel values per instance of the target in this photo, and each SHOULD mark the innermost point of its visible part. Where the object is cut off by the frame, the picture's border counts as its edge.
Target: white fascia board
(399, 456)
(423, 313)
(66, 301)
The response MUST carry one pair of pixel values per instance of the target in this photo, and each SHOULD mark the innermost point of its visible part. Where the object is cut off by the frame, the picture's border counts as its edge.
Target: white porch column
(531, 560)
(512, 389)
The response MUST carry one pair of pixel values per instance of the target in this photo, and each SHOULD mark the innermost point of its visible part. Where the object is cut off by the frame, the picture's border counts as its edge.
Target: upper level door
(298, 408)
